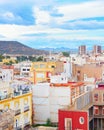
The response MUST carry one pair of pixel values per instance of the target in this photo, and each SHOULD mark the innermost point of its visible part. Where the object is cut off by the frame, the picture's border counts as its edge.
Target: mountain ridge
(15, 47)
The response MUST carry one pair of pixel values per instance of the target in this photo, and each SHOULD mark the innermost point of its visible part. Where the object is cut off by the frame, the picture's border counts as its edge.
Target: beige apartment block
(88, 70)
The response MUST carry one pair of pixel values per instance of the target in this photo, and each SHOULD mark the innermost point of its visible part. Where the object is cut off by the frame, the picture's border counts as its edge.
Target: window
(96, 110)
(36, 66)
(81, 120)
(16, 105)
(17, 123)
(68, 124)
(96, 97)
(103, 97)
(103, 111)
(26, 102)
(52, 66)
(40, 75)
(26, 118)
(62, 78)
(78, 72)
(42, 66)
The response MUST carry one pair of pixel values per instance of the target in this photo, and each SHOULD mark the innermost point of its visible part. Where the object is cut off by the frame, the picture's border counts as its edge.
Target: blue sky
(52, 23)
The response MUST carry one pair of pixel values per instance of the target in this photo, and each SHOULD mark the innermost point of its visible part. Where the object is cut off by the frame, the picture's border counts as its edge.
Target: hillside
(14, 47)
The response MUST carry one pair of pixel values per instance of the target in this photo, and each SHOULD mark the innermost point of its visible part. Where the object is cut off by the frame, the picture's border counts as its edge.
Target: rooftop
(69, 84)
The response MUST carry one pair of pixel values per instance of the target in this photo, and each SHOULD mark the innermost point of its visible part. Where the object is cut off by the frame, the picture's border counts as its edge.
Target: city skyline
(52, 23)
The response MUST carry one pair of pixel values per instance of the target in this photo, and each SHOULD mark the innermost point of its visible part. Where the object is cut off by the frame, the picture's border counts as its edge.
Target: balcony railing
(16, 93)
(5, 97)
(98, 116)
(18, 128)
(17, 112)
(26, 108)
(25, 91)
(27, 124)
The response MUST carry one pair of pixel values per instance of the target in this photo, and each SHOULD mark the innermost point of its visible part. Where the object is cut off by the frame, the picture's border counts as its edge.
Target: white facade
(77, 59)
(41, 102)
(67, 69)
(25, 69)
(87, 79)
(60, 98)
(6, 75)
(47, 100)
(63, 77)
(58, 79)
(90, 87)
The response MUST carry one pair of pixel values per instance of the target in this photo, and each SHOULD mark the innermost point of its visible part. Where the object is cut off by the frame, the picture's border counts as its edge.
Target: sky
(52, 23)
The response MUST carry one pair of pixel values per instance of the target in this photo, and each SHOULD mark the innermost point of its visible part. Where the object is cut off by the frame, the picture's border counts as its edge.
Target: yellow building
(41, 71)
(20, 101)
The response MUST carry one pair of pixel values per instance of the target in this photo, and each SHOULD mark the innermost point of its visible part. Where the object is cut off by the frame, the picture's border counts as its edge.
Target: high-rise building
(82, 49)
(97, 49)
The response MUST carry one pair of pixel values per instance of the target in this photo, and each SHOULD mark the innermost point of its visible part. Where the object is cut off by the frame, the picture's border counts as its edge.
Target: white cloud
(12, 32)
(42, 17)
(82, 10)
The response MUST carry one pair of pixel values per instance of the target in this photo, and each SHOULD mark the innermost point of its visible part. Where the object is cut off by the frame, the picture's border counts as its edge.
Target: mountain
(60, 49)
(14, 47)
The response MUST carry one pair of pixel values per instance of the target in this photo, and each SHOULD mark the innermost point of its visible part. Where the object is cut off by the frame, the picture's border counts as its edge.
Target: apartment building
(49, 97)
(92, 70)
(82, 50)
(6, 73)
(97, 49)
(25, 69)
(18, 97)
(78, 59)
(98, 108)
(86, 113)
(41, 71)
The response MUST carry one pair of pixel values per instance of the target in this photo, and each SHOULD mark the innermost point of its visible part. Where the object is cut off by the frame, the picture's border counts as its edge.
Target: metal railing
(26, 108)
(5, 96)
(18, 128)
(17, 112)
(27, 123)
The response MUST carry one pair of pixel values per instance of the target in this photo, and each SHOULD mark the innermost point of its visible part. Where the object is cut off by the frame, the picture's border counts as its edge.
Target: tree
(9, 63)
(40, 58)
(1, 58)
(31, 58)
(48, 122)
(65, 54)
(8, 57)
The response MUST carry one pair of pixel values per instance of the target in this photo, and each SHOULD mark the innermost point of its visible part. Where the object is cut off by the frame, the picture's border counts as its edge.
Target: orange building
(41, 71)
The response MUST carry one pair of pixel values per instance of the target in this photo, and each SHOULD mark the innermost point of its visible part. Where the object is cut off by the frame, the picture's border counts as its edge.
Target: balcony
(17, 112)
(99, 116)
(18, 128)
(16, 93)
(26, 108)
(5, 97)
(27, 124)
(25, 91)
